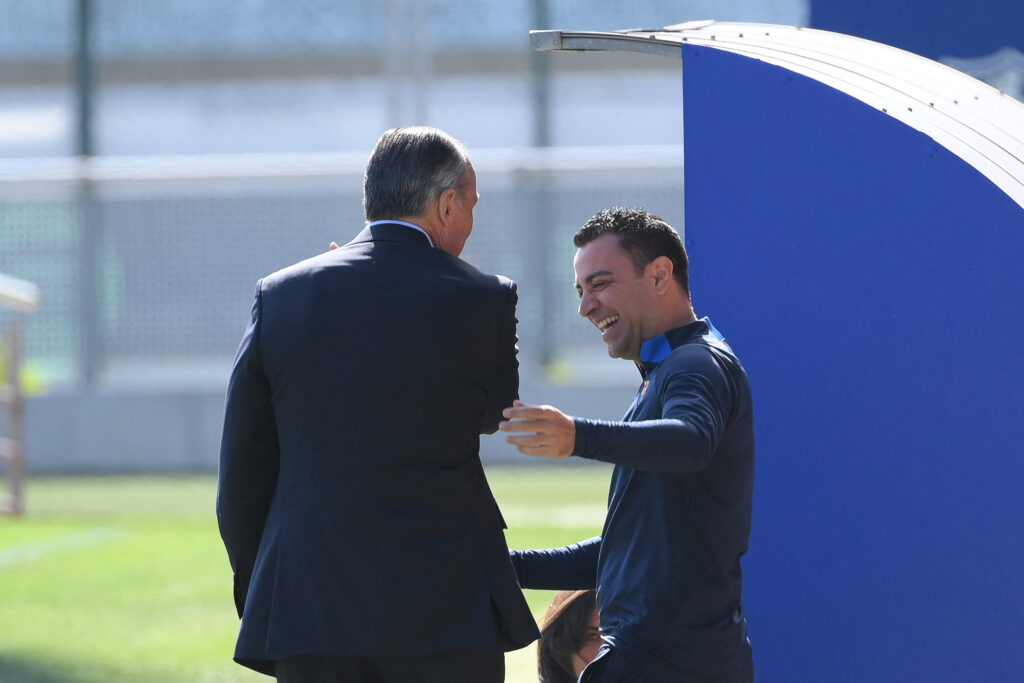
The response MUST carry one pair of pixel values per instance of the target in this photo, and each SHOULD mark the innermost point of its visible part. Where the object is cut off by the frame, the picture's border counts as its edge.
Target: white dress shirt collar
(410, 225)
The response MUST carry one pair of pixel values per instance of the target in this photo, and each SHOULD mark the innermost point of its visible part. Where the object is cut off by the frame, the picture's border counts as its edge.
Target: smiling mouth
(607, 323)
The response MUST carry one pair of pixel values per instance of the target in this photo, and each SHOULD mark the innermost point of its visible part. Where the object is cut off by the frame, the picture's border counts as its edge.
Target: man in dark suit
(364, 539)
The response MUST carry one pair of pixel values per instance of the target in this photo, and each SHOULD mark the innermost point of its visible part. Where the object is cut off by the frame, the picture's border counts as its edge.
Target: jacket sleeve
(573, 567)
(503, 387)
(696, 399)
(249, 457)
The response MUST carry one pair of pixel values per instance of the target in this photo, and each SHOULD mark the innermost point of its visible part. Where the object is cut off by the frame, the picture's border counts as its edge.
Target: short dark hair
(643, 235)
(564, 632)
(409, 168)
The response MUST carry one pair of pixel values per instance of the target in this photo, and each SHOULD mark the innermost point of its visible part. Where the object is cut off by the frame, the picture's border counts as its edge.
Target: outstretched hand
(551, 433)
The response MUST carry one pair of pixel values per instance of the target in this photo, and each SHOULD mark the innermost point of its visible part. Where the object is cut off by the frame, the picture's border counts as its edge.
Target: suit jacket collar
(391, 232)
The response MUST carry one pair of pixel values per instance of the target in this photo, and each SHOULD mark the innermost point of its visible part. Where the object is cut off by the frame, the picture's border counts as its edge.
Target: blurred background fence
(157, 158)
(147, 268)
(148, 265)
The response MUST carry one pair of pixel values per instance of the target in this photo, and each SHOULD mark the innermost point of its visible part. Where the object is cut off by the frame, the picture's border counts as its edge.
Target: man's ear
(446, 203)
(661, 270)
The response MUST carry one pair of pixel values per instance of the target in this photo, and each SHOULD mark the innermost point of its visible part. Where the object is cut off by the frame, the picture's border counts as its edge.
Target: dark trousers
(614, 666)
(479, 665)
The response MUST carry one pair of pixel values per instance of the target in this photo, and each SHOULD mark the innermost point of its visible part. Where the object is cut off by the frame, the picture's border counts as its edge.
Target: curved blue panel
(870, 281)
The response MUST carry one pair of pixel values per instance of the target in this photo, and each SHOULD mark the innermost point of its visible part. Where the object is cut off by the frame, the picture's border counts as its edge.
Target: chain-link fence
(147, 248)
(150, 264)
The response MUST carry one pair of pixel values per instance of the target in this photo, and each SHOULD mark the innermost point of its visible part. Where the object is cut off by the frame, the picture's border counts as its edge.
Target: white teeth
(603, 324)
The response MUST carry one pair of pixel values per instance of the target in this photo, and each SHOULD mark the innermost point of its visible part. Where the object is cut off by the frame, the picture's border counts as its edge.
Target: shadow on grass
(25, 670)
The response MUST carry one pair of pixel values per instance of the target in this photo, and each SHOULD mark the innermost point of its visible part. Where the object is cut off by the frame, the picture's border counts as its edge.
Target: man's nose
(587, 305)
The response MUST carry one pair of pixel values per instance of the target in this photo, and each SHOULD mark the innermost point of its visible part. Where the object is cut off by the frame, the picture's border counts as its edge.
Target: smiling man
(667, 563)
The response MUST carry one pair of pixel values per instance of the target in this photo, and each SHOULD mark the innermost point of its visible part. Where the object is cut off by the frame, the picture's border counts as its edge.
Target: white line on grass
(33, 551)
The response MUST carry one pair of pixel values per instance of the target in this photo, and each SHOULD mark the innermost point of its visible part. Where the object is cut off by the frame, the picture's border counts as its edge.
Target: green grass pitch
(124, 579)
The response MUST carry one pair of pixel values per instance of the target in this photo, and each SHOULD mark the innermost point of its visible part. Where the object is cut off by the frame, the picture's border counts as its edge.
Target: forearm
(571, 567)
(246, 482)
(665, 445)
(249, 456)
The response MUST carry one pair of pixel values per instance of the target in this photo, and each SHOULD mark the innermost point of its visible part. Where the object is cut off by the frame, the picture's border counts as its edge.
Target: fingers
(527, 440)
(533, 451)
(542, 452)
(522, 425)
(538, 430)
(520, 410)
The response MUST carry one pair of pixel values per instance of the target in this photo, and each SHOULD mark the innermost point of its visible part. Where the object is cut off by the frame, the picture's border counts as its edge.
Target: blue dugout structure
(855, 220)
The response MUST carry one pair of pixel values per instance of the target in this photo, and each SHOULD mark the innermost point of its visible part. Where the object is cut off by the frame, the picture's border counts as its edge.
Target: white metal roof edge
(973, 120)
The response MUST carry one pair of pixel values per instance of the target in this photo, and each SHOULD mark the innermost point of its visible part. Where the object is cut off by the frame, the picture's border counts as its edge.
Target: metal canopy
(854, 214)
(978, 123)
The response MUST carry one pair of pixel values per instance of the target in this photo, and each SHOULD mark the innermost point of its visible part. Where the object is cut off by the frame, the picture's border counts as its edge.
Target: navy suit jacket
(351, 498)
